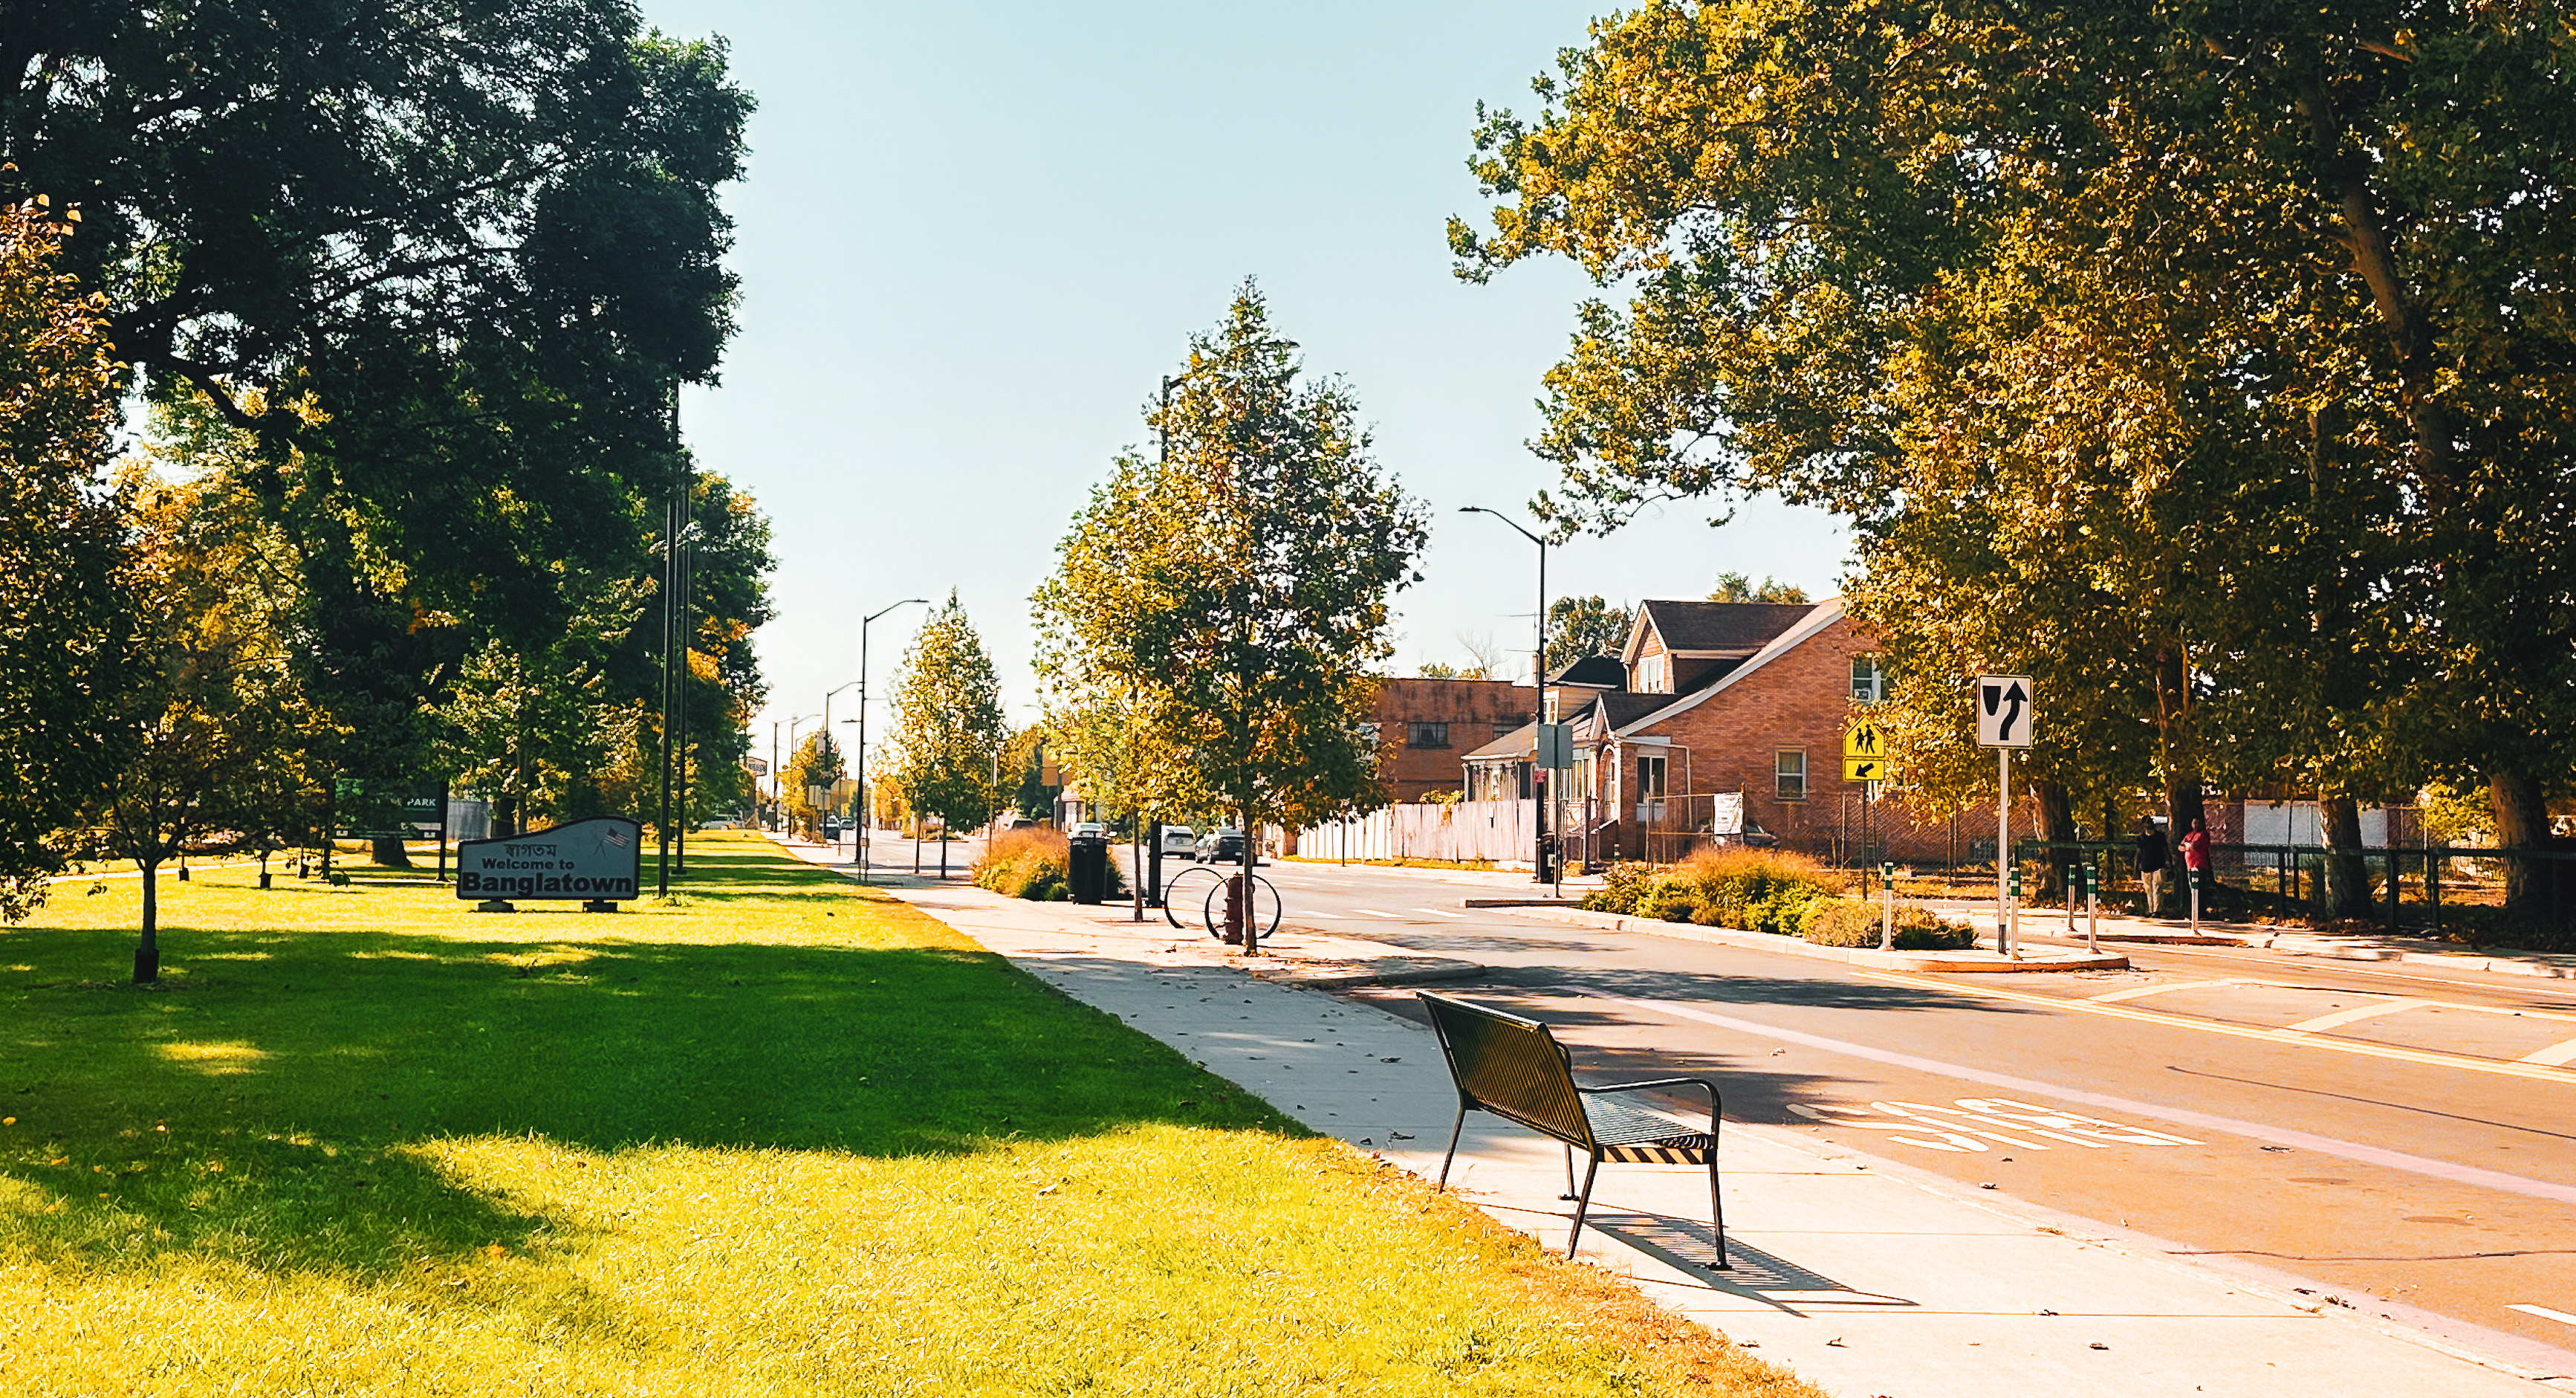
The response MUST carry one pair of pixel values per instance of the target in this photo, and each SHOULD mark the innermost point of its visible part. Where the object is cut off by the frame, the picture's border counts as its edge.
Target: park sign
(596, 861)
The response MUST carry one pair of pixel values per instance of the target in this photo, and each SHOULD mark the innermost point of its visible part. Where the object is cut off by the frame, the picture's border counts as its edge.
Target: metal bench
(1514, 1068)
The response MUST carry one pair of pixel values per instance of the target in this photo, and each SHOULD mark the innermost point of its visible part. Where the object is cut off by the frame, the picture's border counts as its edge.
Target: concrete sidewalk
(1865, 1276)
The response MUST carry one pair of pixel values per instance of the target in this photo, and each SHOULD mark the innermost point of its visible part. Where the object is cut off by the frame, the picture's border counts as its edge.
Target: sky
(973, 238)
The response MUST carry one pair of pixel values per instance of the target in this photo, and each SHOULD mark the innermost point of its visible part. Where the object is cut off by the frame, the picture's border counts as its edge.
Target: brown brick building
(1424, 726)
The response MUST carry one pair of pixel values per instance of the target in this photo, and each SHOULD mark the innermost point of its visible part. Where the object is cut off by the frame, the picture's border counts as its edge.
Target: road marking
(2180, 1116)
(1976, 1120)
(2340, 1018)
(1435, 912)
(1394, 917)
(2133, 992)
(2553, 1055)
(2544, 1313)
(2432, 1058)
(1337, 917)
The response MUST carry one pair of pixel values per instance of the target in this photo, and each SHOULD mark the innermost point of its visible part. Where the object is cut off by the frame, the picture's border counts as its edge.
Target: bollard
(2092, 906)
(1887, 907)
(2008, 927)
(1234, 908)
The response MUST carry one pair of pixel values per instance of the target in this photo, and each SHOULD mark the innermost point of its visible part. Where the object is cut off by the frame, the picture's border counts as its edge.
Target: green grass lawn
(784, 1137)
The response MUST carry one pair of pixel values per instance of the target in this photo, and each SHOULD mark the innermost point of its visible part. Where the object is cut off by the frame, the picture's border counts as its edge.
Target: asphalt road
(2406, 1135)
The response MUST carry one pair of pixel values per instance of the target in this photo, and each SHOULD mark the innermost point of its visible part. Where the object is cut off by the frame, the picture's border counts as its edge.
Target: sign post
(2002, 711)
(1865, 761)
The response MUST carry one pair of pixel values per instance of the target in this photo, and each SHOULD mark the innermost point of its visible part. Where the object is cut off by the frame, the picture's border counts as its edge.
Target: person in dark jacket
(2151, 865)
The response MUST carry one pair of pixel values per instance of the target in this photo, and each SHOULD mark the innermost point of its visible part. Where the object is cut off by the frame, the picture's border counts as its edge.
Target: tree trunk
(2346, 893)
(147, 954)
(2521, 812)
(2178, 750)
(2057, 826)
(388, 851)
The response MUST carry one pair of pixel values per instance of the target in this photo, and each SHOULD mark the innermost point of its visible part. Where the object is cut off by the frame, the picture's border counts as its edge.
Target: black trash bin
(1090, 872)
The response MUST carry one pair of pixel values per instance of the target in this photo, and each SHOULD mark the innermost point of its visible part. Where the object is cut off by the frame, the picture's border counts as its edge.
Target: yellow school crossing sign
(1864, 753)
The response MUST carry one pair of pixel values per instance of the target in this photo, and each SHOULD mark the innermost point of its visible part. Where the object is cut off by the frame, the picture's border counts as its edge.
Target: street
(2398, 1135)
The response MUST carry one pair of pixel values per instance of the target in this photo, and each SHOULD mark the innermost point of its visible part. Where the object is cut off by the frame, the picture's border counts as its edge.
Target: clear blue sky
(974, 237)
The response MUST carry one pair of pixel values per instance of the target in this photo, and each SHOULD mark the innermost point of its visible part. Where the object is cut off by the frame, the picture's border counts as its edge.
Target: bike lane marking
(2180, 1116)
(2544, 1313)
(2432, 1058)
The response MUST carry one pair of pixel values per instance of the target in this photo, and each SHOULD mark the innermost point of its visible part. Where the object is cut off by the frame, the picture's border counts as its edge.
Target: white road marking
(1337, 917)
(1435, 912)
(1959, 1127)
(2359, 1012)
(2472, 1175)
(2553, 1056)
(2544, 1313)
(2133, 992)
(1392, 917)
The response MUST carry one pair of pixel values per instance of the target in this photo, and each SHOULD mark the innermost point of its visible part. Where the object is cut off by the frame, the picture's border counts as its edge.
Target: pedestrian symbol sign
(2003, 704)
(1865, 753)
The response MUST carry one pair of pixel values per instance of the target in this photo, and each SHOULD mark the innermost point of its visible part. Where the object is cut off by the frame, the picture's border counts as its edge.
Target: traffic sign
(2003, 705)
(1861, 738)
(1868, 769)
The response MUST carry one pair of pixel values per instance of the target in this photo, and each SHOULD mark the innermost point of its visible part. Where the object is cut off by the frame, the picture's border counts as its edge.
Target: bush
(1853, 922)
(1033, 862)
(1755, 890)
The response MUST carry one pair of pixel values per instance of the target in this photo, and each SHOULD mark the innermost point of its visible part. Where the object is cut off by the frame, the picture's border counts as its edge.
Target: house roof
(1593, 671)
(1816, 619)
(1521, 742)
(1721, 629)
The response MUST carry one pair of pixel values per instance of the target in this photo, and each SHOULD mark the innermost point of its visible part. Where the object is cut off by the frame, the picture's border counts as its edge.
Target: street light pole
(1540, 786)
(827, 737)
(867, 794)
(781, 774)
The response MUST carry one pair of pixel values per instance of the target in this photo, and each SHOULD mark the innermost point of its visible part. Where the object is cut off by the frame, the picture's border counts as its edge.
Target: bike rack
(1216, 889)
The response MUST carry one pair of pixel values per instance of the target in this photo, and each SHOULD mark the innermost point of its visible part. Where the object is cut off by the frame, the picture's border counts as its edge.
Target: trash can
(1089, 873)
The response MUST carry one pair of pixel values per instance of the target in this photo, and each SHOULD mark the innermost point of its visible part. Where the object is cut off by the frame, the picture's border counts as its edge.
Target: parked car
(1181, 841)
(1090, 830)
(1223, 845)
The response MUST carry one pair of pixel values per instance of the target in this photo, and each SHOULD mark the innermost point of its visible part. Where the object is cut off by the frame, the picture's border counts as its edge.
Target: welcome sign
(595, 860)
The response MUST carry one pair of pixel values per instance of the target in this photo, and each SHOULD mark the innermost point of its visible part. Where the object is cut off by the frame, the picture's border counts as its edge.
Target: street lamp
(1539, 784)
(827, 737)
(867, 799)
(780, 776)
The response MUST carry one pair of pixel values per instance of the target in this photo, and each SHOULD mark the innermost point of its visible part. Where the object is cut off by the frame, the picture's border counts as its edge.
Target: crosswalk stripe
(2343, 1017)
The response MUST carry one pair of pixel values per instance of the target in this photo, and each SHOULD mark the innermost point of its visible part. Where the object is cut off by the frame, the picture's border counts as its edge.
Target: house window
(1650, 778)
(1426, 735)
(1650, 675)
(1870, 684)
(1793, 774)
(1506, 727)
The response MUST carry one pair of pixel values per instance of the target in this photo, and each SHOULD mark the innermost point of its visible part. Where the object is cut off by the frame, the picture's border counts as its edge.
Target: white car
(1180, 841)
(1089, 830)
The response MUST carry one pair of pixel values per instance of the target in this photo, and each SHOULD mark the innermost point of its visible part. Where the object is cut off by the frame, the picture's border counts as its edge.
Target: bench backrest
(1510, 1066)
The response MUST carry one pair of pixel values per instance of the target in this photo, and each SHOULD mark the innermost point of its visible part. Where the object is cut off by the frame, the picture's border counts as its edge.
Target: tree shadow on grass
(266, 1105)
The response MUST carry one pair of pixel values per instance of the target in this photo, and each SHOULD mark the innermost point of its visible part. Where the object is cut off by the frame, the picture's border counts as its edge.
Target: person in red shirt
(2195, 862)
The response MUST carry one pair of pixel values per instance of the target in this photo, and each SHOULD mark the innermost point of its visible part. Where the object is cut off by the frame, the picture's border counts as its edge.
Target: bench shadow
(1691, 1247)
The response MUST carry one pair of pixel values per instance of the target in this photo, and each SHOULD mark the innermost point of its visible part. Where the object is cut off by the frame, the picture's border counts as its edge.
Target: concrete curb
(1946, 962)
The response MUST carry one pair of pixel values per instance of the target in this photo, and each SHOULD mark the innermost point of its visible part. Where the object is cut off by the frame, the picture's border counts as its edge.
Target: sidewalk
(2050, 923)
(1863, 1275)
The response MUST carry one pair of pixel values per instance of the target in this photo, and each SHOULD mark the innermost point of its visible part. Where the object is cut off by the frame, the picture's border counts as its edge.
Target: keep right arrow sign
(2003, 704)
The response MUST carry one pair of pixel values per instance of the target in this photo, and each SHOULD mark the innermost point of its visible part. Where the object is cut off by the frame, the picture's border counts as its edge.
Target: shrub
(1033, 862)
(1853, 922)
(1756, 890)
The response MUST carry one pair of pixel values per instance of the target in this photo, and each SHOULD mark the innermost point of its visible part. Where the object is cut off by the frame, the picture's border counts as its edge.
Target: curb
(1520, 903)
(1947, 962)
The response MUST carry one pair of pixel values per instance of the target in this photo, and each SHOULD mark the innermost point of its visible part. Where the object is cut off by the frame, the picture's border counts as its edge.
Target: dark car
(1223, 845)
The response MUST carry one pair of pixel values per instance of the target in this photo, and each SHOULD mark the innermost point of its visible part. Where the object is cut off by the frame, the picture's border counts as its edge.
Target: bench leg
(1717, 1215)
(1455, 1128)
(1581, 1203)
(1569, 1174)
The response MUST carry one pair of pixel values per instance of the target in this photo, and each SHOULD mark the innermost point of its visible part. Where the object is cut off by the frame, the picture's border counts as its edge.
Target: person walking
(2151, 864)
(2195, 863)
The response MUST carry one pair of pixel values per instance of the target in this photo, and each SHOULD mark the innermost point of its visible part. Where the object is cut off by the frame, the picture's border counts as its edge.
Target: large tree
(2338, 226)
(446, 264)
(1581, 626)
(948, 725)
(1229, 600)
(67, 652)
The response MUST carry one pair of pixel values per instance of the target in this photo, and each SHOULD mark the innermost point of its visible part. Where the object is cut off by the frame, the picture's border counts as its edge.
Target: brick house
(1723, 705)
